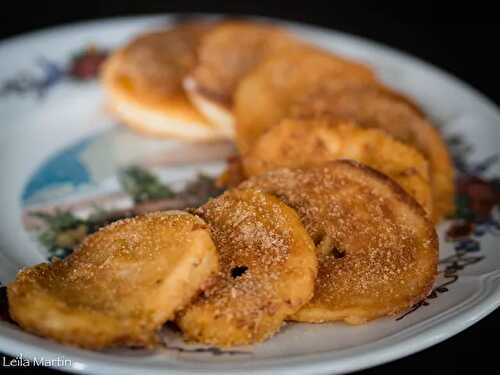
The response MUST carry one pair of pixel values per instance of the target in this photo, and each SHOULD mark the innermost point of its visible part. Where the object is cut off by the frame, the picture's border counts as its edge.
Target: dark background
(469, 51)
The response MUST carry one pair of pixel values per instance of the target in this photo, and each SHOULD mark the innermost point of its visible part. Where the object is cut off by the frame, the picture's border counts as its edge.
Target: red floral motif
(482, 195)
(460, 229)
(86, 65)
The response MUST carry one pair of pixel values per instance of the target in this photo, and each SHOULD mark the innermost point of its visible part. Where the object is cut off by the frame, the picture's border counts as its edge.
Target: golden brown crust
(268, 268)
(384, 90)
(230, 51)
(309, 142)
(377, 252)
(120, 286)
(143, 80)
(155, 63)
(264, 96)
(369, 106)
(121, 89)
(172, 118)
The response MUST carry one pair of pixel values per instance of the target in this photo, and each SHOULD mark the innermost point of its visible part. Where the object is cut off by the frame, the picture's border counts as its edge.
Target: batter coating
(231, 50)
(226, 54)
(267, 270)
(371, 107)
(264, 97)
(143, 81)
(120, 286)
(377, 253)
(309, 142)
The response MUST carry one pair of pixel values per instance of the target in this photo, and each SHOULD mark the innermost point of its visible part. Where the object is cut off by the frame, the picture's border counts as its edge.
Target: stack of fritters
(211, 80)
(329, 214)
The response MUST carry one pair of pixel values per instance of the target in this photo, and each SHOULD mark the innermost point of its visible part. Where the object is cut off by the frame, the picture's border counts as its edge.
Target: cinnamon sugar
(258, 233)
(389, 248)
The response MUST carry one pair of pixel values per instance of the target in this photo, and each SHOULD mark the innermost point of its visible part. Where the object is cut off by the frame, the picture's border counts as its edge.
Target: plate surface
(62, 159)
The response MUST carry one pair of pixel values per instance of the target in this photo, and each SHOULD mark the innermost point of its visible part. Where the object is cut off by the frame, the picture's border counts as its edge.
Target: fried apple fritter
(268, 268)
(264, 97)
(371, 107)
(143, 81)
(120, 286)
(309, 142)
(231, 50)
(377, 252)
(226, 54)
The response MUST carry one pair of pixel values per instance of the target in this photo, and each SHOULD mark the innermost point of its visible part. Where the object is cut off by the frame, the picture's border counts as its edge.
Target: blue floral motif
(83, 66)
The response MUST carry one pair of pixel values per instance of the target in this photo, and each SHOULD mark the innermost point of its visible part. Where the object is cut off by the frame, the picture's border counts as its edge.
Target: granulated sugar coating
(155, 63)
(377, 252)
(121, 285)
(231, 50)
(373, 107)
(267, 270)
(308, 142)
(143, 82)
(265, 95)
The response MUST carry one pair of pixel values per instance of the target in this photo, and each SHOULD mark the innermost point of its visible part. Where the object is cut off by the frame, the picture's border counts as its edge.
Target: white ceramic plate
(58, 148)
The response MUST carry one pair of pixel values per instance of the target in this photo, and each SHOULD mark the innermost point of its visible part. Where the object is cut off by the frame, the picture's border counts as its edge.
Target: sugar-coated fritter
(120, 286)
(264, 97)
(369, 106)
(144, 83)
(231, 49)
(227, 53)
(377, 252)
(309, 142)
(267, 270)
